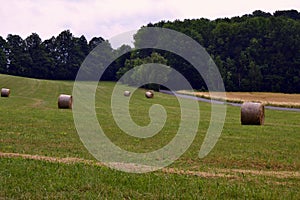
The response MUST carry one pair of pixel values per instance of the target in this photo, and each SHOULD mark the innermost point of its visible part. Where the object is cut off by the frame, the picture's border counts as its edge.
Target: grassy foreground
(256, 162)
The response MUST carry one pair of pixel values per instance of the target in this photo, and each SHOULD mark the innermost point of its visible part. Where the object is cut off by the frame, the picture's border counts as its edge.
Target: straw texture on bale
(149, 94)
(65, 101)
(5, 92)
(252, 113)
(127, 93)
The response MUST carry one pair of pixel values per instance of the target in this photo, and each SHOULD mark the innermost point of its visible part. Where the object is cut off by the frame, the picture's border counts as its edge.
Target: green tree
(50, 50)
(145, 71)
(3, 58)
(69, 53)
(19, 60)
(95, 41)
(119, 63)
(41, 61)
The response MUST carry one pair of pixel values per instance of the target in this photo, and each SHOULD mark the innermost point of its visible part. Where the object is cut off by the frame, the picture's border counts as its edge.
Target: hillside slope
(41, 154)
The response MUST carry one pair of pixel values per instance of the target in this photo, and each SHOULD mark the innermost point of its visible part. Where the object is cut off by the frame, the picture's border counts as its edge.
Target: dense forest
(254, 52)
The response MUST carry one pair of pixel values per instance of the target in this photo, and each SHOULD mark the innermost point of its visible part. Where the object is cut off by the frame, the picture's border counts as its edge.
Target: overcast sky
(107, 18)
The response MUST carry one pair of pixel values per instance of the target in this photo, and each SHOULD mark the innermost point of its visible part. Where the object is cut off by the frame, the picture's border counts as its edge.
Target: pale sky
(107, 18)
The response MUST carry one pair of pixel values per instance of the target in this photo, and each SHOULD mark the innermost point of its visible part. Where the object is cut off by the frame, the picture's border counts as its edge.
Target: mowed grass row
(32, 124)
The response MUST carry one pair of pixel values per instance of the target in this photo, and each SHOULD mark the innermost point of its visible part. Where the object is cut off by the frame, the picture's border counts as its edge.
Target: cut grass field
(267, 98)
(42, 155)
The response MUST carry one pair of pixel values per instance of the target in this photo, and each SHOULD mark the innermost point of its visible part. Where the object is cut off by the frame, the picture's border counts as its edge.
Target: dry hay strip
(67, 160)
(198, 173)
(278, 174)
(217, 173)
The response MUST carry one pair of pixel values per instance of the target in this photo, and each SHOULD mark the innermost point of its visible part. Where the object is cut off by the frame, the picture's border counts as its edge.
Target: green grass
(29, 179)
(30, 123)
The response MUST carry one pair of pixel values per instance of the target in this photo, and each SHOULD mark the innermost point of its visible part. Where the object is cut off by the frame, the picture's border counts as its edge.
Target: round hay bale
(149, 94)
(65, 101)
(127, 93)
(5, 92)
(252, 113)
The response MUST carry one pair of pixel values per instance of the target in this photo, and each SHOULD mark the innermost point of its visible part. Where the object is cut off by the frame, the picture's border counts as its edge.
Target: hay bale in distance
(127, 93)
(252, 113)
(5, 92)
(65, 101)
(149, 94)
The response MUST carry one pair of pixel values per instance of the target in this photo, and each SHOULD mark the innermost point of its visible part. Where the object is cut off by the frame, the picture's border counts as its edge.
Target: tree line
(254, 52)
(56, 58)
